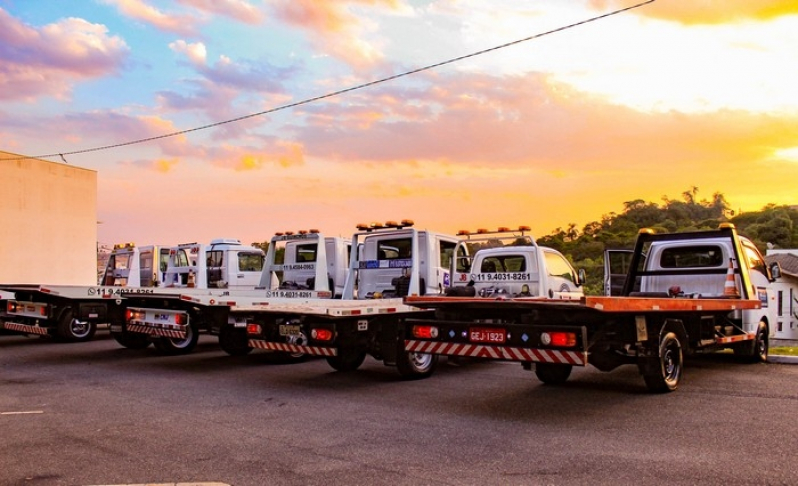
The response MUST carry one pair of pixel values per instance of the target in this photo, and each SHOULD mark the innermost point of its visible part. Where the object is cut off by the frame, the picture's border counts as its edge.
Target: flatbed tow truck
(682, 293)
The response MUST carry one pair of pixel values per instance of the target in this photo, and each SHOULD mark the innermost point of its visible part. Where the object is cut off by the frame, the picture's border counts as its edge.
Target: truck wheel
(347, 360)
(74, 330)
(234, 341)
(666, 376)
(416, 365)
(755, 351)
(132, 340)
(552, 374)
(174, 346)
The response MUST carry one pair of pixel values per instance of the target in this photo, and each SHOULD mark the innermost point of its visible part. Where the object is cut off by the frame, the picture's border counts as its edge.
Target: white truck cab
(395, 260)
(521, 269)
(136, 266)
(307, 257)
(225, 263)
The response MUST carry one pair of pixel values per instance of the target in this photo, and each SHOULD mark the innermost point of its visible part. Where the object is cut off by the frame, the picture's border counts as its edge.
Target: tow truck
(682, 293)
(387, 262)
(167, 316)
(71, 313)
(312, 267)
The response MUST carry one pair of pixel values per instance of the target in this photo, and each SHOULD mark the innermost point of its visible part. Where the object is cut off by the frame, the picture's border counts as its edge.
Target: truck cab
(705, 268)
(136, 266)
(307, 261)
(395, 260)
(520, 269)
(225, 263)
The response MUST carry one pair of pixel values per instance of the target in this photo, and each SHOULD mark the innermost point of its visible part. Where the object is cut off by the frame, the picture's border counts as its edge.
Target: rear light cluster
(321, 334)
(425, 332)
(253, 329)
(13, 306)
(558, 339)
(181, 319)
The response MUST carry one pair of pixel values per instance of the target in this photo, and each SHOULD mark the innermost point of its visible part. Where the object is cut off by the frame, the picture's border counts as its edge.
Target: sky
(560, 129)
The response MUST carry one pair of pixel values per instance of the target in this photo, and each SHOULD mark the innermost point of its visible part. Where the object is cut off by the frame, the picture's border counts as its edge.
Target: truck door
(616, 266)
(215, 268)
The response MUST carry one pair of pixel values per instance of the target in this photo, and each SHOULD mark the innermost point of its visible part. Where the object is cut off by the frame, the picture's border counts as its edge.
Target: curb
(777, 358)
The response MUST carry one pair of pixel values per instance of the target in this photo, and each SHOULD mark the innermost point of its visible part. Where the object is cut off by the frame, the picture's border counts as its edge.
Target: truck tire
(665, 377)
(174, 346)
(131, 340)
(234, 341)
(73, 330)
(755, 351)
(347, 360)
(413, 366)
(552, 373)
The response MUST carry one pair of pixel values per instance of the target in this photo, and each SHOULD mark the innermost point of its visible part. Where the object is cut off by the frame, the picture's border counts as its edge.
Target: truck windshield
(250, 262)
(692, 257)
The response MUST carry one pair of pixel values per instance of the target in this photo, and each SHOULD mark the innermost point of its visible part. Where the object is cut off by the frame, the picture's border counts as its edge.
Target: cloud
(142, 11)
(48, 60)
(335, 30)
(709, 11)
(275, 153)
(158, 165)
(235, 9)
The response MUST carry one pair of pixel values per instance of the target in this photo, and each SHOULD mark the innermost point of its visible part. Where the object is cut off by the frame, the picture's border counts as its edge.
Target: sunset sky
(560, 129)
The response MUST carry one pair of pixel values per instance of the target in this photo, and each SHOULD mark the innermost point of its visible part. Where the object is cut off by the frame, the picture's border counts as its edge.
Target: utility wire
(339, 92)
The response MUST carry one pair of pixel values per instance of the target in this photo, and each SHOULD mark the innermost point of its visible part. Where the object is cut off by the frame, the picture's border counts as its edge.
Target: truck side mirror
(581, 277)
(775, 270)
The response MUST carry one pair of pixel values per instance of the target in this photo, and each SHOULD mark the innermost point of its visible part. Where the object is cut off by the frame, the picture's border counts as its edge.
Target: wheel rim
(184, 343)
(671, 363)
(420, 361)
(762, 345)
(79, 329)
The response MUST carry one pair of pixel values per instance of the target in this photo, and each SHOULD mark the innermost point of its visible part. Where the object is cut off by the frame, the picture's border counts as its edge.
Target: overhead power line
(339, 92)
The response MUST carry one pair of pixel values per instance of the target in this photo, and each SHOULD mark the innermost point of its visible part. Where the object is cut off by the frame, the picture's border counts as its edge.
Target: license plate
(487, 335)
(289, 330)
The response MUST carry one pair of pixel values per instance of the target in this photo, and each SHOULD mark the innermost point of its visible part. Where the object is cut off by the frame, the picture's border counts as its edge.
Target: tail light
(558, 339)
(321, 334)
(181, 319)
(425, 332)
(253, 329)
(11, 306)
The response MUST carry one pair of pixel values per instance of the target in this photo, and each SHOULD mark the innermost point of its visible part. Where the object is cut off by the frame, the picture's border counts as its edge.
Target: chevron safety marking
(734, 339)
(293, 348)
(578, 358)
(13, 326)
(156, 332)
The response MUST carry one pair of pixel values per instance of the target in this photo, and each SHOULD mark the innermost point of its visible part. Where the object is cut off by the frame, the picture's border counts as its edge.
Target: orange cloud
(335, 30)
(709, 11)
(236, 9)
(144, 12)
(280, 153)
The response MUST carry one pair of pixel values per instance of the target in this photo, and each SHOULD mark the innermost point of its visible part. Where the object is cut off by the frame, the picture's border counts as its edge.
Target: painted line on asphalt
(22, 413)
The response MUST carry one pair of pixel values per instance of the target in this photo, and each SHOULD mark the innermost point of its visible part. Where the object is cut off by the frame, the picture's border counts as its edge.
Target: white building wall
(49, 216)
(786, 289)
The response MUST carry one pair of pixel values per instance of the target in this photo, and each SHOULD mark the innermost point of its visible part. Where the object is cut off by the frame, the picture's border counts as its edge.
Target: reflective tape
(13, 326)
(577, 358)
(152, 331)
(293, 348)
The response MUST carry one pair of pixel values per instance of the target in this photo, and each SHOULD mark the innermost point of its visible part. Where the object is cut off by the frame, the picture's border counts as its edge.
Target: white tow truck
(215, 271)
(682, 293)
(521, 268)
(302, 265)
(71, 313)
(387, 262)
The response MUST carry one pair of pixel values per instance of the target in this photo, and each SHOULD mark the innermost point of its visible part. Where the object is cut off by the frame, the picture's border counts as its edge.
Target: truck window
(447, 251)
(754, 258)
(215, 258)
(164, 259)
(181, 258)
(306, 253)
(558, 266)
(250, 261)
(504, 263)
(394, 249)
(692, 257)
(121, 261)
